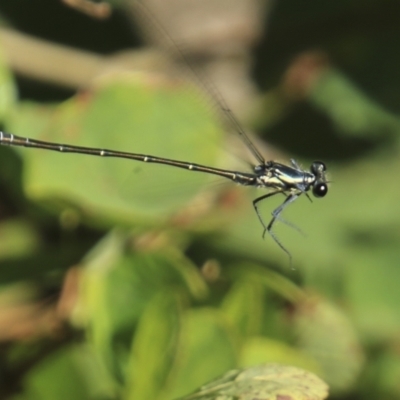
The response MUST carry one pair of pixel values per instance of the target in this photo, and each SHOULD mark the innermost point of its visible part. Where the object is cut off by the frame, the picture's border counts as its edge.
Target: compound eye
(317, 167)
(320, 189)
(258, 169)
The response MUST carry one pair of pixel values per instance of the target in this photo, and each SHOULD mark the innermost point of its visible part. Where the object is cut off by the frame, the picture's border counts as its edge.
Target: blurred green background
(127, 280)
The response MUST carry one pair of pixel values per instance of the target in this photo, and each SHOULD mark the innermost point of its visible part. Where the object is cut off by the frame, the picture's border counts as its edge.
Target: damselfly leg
(276, 217)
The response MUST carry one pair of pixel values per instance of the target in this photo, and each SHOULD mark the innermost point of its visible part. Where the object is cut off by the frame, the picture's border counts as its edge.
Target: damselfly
(290, 180)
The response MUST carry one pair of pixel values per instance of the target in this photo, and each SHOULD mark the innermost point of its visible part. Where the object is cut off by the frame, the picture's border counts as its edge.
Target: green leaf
(113, 279)
(325, 333)
(206, 349)
(130, 112)
(245, 295)
(350, 109)
(265, 382)
(260, 350)
(154, 347)
(372, 289)
(71, 373)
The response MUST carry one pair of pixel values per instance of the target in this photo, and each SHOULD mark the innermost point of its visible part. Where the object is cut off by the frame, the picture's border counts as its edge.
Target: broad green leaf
(207, 348)
(264, 382)
(244, 296)
(131, 112)
(271, 280)
(326, 334)
(154, 347)
(261, 350)
(61, 376)
(113, 279)
(372, 290)
(351, 110)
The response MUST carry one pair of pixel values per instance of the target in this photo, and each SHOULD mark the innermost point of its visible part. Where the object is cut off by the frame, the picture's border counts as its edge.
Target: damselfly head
(320, 187)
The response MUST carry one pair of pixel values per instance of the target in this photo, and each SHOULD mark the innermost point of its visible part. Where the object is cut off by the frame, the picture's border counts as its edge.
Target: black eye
(317, 167)
(320, 189)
